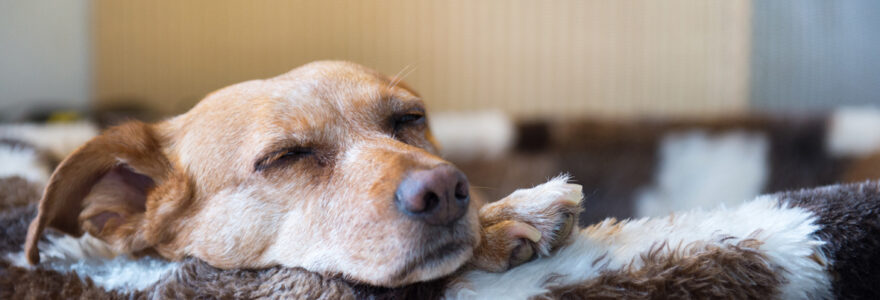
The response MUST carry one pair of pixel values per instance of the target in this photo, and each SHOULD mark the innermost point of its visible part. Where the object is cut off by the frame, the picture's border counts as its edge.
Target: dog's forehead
(346, 86)
(328, 99)
(332, 72)
(325, 86)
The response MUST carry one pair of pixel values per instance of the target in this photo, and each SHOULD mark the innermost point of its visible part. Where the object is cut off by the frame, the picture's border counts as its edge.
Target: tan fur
(70, 187)
(222, 192)
(499, 248)
(521, 227)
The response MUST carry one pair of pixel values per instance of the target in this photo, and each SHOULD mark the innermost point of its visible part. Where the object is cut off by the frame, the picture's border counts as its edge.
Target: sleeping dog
(332, 168)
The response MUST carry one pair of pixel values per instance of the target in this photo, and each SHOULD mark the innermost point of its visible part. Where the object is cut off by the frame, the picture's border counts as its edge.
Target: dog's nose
(438, 196)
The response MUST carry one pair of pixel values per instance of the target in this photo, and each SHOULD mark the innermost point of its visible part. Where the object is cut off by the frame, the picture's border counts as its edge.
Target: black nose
(437, 196)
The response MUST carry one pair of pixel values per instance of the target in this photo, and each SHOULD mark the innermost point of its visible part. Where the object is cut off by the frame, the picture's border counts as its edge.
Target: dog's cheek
(234, 229)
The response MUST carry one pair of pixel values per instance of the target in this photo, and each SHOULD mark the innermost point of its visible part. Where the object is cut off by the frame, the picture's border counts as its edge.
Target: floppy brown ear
(103, 189)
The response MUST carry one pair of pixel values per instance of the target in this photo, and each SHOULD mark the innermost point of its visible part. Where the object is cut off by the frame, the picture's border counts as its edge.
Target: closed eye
(282, 157)
(414, 118)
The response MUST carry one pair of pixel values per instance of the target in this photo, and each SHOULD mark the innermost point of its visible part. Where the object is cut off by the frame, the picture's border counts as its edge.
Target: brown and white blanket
(818, 243)
(815, 243)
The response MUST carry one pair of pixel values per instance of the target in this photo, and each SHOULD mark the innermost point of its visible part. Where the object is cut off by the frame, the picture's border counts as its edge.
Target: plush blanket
(858, 254)
(847, 216)
(189, 279)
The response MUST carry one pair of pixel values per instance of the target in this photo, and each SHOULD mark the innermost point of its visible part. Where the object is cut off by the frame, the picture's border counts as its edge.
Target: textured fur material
(24, 171)
(708, 272)
(730, 266)
(780, 235)
(192, 278)
(850, 219)
(735, 266)
(18, 159)
(17, 191)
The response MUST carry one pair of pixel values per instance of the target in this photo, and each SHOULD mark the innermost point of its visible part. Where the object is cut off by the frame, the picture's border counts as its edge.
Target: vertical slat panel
(598, 58)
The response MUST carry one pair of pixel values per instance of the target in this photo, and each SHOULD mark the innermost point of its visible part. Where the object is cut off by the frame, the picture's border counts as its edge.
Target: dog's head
(330, 167)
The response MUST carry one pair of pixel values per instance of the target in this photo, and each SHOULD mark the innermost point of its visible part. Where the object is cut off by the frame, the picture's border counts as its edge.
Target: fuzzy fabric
(192, 279)
(848, 215)
(613, 160)
(16, 191)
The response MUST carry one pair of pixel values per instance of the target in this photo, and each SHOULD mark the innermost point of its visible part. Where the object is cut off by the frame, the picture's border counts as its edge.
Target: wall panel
(612, 58)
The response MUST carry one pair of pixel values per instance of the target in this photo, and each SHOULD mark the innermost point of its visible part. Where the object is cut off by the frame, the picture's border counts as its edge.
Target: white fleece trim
(786, 234)
(59, 139)
(92, 258)
(23, 162)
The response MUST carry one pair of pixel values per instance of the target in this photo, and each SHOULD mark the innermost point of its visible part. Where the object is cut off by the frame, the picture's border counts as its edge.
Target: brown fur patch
(13, 227)
(700, 272)
(494, 252)
(19, 283)
(17, 191)
(66, 194)
(197, 280)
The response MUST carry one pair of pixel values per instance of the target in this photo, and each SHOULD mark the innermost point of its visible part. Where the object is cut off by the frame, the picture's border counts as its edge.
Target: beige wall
(44, 56)
(615, 58)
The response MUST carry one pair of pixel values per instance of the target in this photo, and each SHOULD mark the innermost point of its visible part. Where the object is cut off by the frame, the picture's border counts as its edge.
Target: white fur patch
(853, 131)
(92, 258)
(786, 234)
(23, 162)
(472, 135)
(525, 201)
(700, 170)
(59, 139)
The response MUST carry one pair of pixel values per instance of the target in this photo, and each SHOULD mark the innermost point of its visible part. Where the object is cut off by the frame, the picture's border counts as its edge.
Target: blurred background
(653, 106)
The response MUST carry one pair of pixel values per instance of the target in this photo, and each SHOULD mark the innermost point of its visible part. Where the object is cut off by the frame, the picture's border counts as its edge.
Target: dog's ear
(106, 187)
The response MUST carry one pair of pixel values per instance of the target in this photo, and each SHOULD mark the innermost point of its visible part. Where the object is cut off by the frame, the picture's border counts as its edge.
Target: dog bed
(195, 279)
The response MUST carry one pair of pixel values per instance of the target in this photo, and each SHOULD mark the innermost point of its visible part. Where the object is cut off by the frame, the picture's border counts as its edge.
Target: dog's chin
(441, 252)
(429, 253)
(424, 266)
(439, 262)
(436, 256)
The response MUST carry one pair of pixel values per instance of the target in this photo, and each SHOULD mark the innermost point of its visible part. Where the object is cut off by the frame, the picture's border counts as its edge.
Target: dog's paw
(527, 224)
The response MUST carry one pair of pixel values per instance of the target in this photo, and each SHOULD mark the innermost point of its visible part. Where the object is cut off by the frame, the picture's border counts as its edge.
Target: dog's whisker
(397, 75)
(396, 78)
(400, 75)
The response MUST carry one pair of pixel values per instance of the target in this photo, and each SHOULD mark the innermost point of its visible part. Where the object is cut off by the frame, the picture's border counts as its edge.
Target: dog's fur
(308, 164)
(296, 175)
(816, 243)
